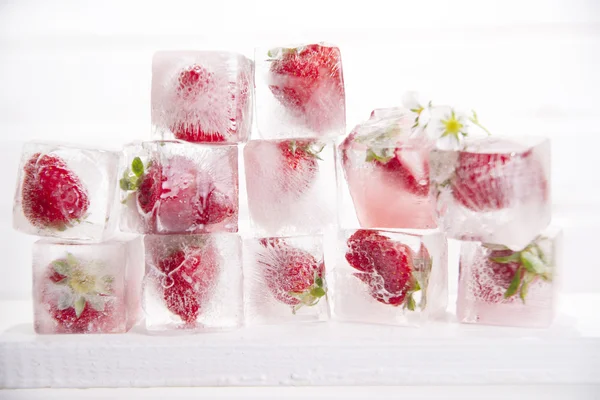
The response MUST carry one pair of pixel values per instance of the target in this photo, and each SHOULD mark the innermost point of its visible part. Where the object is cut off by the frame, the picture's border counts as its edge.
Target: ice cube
(385, 163)
(202, 96)
(499, 286)
(300, 91)
(87, 288)
(193, 282)
(177, 187)
(494, 190)
(385, 277)
(66, 191)
(290, 185)
(284, 280)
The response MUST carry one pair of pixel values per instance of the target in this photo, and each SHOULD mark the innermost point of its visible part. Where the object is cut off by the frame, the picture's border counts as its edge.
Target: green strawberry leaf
(137, 167)
(515, 257)
(382, 158)
(410, 303)
(72, 260)
(318, 292)
(319, 281)
(514, 284)
(527, 279)
(416, 287)
(79, 305)
(532, 263)
(62, 267)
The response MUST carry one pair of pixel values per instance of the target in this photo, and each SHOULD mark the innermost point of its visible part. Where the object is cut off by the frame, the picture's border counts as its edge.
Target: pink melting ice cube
(499, 286)
(176, 187)
(300, 91)
(493, 190)
(87, 288)
(386, 165)
(202, 96)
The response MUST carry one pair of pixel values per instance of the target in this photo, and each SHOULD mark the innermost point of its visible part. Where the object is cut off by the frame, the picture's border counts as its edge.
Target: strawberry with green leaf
(515, 272)
(78, 295)
(292, 275)
(388, 268)
(177, 196)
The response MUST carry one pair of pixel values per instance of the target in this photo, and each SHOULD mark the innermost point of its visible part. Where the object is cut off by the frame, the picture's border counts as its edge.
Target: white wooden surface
(310, 354)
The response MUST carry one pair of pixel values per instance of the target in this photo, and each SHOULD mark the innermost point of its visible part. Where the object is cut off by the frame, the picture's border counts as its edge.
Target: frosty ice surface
(498, 286)
(66, 191)
(193, 282)
(300, 91)
(290, 185)
(176, 187)
(202, 96)
(495, 190)
(385, 163)
(284, 280)
(387, 277)
(87, 288)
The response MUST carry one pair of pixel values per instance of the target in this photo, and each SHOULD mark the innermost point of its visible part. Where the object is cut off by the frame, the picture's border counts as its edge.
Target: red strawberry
(190, 274)
(214, 113)
(78, 299)
(194, 82)
(487, 182)
(300, 163)
(501, 274)
(294, 276)
(52, 195)
(178, 195)
(409, 168)
(385, 266)
(308, 82)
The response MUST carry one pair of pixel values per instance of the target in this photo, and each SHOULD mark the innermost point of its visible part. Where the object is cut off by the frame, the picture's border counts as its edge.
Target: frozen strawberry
(385, 266)
(300, 163)
(189, 276)
(488, 182)
(177, 195)
(308, 82)
(52, 195)
(79, 298)
(504, 273)
(294, 276)
(407, 167)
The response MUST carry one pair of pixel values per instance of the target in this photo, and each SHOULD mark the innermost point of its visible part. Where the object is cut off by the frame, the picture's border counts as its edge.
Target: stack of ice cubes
(155, 226)
(85, 279)
(290, 181)
(493, 194)
(391, 265)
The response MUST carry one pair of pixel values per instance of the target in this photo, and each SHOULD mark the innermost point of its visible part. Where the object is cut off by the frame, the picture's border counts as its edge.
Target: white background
(80, 71)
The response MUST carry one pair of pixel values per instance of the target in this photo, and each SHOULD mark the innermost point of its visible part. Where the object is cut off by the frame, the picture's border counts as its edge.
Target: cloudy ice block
(202, 96)
(300, 91)
(290, 185)
(383, 173)
(498, 286)
(394, 278)
(494, 190)
(193, 282)
(284, 280)
(176, 187)
(87, 287)
(66, 191)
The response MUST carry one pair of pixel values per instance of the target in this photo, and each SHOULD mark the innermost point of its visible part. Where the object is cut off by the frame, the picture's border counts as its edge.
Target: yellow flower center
(81, 282)
(452, 126)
